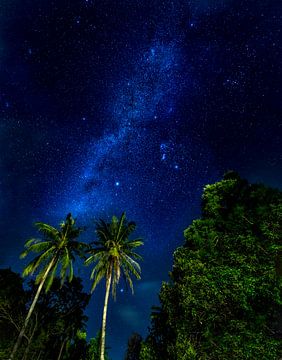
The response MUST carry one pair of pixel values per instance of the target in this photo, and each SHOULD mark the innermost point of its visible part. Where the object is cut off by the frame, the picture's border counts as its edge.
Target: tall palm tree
(56, 250)
(113, 255)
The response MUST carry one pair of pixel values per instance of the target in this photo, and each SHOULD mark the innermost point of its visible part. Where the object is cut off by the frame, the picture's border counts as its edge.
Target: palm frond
(114, 287)
(116, 276)
(98, 277)
(50, 278)
(135, 243)
(99, 266)
(80, 248)
(30, 242)
(94, 257)
(120, 226)
(132, 262)
(133, 254)
(65, 262)
(47, 230)
(70, 271)
(31, 267)
(41, 273)
(36, 247)
(128, 265)
(128, 229)
(128, 279)
(39, 260)
(102, 228)
(114, 225)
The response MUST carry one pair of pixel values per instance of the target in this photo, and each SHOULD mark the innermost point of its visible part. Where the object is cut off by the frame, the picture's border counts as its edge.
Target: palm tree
(56, 250)
(113, 255)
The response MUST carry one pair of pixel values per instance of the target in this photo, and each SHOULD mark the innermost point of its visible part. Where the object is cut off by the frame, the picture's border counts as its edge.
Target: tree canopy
(55, 323)
(224, 296)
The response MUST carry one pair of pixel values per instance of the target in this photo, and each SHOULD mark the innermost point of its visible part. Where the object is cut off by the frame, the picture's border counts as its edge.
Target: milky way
(140, 143)
(109, 106)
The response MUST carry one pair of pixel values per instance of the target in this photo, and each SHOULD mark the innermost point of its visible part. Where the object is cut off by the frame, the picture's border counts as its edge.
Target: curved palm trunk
(21, 334)
(103, 332)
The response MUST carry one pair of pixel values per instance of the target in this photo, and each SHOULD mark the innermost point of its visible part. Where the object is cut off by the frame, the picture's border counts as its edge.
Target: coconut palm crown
(58, 246)
(114, 253)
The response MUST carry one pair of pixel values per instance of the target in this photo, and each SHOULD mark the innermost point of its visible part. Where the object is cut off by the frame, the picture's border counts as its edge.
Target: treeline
(57, 328)
(224, 297)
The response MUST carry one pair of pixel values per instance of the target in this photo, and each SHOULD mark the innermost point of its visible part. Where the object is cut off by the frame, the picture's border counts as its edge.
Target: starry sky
(112, 105)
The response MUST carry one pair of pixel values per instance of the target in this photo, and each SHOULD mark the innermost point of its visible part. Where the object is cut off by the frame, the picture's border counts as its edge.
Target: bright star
(117, 183)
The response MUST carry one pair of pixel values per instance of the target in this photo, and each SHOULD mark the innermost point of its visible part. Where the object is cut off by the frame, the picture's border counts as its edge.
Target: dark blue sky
(132, 105)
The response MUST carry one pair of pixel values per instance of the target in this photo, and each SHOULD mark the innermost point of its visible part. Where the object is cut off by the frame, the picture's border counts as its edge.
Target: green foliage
(93, 352)
(114, 253)
(93, 348)
(56, 320)
(133, 347)
(58, 245)
(225, 293)
(147, 352)
(12, 309)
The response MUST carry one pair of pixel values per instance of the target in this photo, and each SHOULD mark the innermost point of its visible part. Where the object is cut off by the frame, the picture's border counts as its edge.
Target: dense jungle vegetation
(223, 299)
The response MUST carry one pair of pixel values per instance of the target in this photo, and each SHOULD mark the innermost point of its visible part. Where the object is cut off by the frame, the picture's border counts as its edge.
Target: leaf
(50, 278)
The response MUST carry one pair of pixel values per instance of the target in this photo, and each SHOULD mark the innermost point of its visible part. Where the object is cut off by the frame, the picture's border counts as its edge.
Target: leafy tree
(76, 349)
(148, 351)
(133, 347)
(63, 316)
(54, 324)
(57, 248)
(93, 351)
(12, 309)
(113, 255)
(224, 297)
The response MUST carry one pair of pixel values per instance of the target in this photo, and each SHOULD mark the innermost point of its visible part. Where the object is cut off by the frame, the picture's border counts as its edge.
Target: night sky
(132, 105)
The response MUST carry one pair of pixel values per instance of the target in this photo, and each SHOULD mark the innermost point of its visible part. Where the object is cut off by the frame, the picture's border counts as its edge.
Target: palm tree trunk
(103, 332)
(21, 334)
